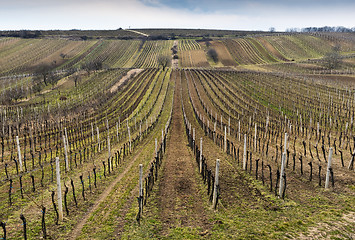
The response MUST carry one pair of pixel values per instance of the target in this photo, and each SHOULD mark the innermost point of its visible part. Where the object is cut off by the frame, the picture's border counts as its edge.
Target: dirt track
(179, 199)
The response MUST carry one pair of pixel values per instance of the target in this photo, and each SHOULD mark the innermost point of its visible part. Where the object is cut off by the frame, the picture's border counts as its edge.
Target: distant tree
(212, 53)
(92, 66)
(163, 61)
(76, 79)
(42, 71)
(174, 50)
(271, 29)
(332, 60)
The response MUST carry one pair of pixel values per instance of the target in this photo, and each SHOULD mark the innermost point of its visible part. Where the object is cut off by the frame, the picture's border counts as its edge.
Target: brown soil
(223, 54)
(179, 200)
(271, 49)
(125, 78)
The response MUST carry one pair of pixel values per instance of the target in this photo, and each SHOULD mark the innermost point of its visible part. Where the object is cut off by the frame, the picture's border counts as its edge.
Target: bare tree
(332, 60)
(164, 61)
(92, 66)
(43, 70)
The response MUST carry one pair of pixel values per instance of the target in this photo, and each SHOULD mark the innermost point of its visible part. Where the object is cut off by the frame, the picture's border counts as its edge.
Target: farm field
(111, 142)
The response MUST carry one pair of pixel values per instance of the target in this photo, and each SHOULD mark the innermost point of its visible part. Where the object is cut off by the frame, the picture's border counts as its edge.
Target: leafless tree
(332, 60)
(164, 61)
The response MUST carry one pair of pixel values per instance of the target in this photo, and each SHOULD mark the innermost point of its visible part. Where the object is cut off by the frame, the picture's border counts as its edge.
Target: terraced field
(198, 151)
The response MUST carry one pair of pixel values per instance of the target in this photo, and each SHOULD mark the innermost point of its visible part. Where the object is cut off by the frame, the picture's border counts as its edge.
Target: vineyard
(258, 145)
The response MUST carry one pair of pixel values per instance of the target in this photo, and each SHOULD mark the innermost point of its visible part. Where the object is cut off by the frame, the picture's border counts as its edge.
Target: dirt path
(129, 74)
(146, 35)
(179, 201)
(77, 230)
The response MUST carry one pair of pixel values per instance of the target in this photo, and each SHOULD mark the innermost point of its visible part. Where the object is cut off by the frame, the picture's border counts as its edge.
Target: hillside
(248, 135)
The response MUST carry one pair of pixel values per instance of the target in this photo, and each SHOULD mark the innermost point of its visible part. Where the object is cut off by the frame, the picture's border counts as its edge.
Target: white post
(285, 144)
(328, 167)
(255, 136)
(117, 131)
(282, 173)
(214, 131)
(156, 148)
(59, 190)
(19, 153)
(66, 137)
(245, 153)
(229, 126)
(225, 138)
(141, 186)
(66, 154)
(140, 131)
(215, 184)
(200, 155)
(239, 130)
(221, 124)
(129, 138)
(193, 134)
(109, 146)
(92, 132)
(98, 138)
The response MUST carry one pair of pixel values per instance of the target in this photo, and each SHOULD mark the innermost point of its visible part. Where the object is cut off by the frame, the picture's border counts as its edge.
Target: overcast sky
(210, 14)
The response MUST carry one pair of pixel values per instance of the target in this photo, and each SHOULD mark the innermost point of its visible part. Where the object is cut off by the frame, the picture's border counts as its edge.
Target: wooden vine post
(200, 154)
(329, 168)
(225, 138)
(216, 184)
(283, 160)
(98, 138)
(129, 138)
(59, 190)
(19, 153)
(66, 154)
(239, 130)
(245, 153)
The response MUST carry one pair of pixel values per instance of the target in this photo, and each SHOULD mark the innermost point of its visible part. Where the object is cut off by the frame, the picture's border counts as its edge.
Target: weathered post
(140, 188)
(214, 131)
(117, 132)
(66, 154)
(216, 185)
(200, 154)
(98, 139)
(92, 132)
(59, 190)
(245, 153)
(239, 130)
(129, 138)
(283, 159)
(19, 153)
(329, 168)
(225, 138)
(255, 136)
(229, 126)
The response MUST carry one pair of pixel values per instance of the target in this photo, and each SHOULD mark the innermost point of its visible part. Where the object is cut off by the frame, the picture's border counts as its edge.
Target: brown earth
(179, 199)
(125, 78)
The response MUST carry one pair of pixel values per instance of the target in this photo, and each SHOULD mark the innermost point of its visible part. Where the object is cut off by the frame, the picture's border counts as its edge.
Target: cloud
(223, 14)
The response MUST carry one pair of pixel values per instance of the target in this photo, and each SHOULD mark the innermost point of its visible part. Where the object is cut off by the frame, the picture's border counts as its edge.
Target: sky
(203, 14)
